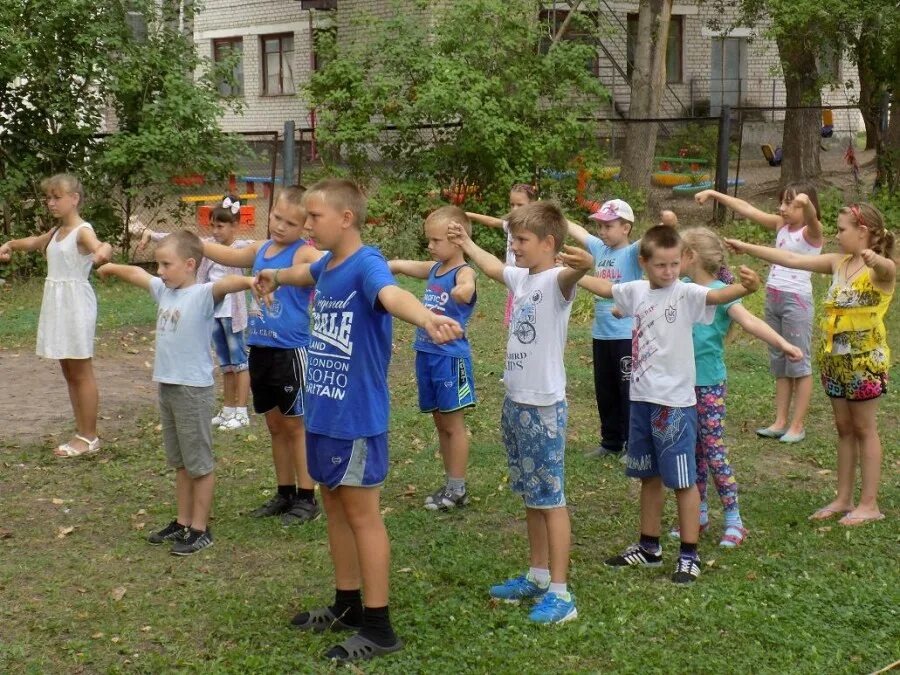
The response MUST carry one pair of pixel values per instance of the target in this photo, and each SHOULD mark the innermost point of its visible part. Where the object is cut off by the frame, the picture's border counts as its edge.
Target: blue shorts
(445, 382)
(230, 347)
(661, 442)
(535, 440)
(362, 462)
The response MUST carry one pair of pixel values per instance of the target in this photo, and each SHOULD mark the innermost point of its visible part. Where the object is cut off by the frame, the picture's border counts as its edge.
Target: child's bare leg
(846, 461)
(341, 543)
(559, 538)
(538, 545)
(242, 388)
(652, 498)
(296, 435)
(184, 496)
(82, 386)
(688, 514)
(363, 518)
(802, 391)
(784, 387)
(865, 430)
(229, 385)
(202, 501)
(454, 442)
(282, 446)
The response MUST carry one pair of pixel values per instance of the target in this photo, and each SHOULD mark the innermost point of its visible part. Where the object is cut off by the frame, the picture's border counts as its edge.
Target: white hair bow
(235, 205)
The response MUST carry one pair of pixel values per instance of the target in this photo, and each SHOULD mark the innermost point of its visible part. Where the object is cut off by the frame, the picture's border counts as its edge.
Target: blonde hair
(343, 195)
(63, 183)
(543, 219)
(449, 214)
(707, 246)
(881, 239)
(186, 244)
(292, 194)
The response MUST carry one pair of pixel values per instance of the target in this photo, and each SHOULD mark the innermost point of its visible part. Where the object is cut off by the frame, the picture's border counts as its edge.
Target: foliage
(693, 140)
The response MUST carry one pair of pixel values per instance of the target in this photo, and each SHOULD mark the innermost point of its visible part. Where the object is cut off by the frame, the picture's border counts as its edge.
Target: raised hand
(869, 257)
(457, 234)
(576, 258)
(703, 196)
(749, 279)
(5, 253)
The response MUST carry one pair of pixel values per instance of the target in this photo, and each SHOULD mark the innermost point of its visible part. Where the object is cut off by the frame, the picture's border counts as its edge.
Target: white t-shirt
(786, 278)
(662, 347)
(216, 272)
(510, 256)
(535, 373)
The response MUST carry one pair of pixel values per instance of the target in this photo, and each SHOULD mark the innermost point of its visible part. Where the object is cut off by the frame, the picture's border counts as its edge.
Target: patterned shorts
(855, 377)
(662, 443)
(535, 440)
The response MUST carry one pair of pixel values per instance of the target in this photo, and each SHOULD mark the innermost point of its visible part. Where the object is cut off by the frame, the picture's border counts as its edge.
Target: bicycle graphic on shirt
(523, 324)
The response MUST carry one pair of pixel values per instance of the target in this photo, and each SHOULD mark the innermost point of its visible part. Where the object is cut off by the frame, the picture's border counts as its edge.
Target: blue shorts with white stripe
(661, 442)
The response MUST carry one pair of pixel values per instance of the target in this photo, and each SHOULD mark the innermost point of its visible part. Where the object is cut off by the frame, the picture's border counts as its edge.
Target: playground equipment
(687, 190)
(672, 178)
(773, 156)
(827, 124)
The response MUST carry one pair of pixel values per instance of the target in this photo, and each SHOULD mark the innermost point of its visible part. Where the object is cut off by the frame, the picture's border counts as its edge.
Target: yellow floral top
(854, 314)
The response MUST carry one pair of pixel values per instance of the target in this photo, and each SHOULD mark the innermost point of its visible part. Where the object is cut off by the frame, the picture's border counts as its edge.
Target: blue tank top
(437, 299)
(286, 323)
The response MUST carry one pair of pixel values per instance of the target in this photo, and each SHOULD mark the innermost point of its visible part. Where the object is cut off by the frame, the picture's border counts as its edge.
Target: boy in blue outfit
(183, 368)
(534, 414)
(347, 408)
(663, 425)
(444, 372)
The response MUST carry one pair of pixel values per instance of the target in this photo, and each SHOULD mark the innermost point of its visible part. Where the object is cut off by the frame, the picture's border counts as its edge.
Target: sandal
(66, 450)
(319, 620)
(734, 536)
(827, 512)
(856, 521)
(358, 648)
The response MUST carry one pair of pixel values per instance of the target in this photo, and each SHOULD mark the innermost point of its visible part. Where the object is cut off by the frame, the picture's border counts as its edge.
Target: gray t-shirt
(184, 325)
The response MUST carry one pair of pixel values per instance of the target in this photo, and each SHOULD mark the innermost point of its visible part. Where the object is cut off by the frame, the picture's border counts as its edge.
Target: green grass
(796, 597)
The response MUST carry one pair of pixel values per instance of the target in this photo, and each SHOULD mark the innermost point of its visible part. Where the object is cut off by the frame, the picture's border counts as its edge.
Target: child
(444, 372)
(535, 412)
(278, 339)
(789, 304)
(184, 370)
(347, 409)
(853, 354)
(520, 194)
(69, 307)
(704, 261)
(231, 316)
(663, 413)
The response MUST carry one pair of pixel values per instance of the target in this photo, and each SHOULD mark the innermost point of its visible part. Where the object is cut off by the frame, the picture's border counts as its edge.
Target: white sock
(241, 412)
(227, 412)
(539, 575)
(559, 589)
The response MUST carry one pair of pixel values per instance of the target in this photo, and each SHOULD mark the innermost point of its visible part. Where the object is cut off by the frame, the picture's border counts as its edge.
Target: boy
(347, 408)
(278, 336)
(535, 412)
(183, 368)
(444, 372)
(663, 415)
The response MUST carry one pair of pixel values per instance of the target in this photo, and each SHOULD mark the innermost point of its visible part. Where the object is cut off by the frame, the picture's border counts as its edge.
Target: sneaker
(635, 555)
(274, 507)
(171, 532)
(519, 588)
(220, 419)
(445, 499)
(687, 569)
(553, 608)
(192, 542)
(235, 422)
(301, 511)
(601, 451)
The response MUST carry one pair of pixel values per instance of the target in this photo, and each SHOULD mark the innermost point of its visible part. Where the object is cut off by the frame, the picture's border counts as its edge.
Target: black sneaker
(635, 555)
(171, 532)
(192, 542)
(301, 511)
(687, 569)
(446, 499)
(274, 507)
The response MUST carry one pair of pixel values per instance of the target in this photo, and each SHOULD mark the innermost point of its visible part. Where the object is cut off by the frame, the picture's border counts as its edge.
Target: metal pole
(288, 153)
(722, 159)
(773, 99)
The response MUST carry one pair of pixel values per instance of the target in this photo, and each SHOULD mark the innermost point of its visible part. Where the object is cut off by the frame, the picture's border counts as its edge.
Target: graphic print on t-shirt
(167, 319)
(332, 326)
(524, 318)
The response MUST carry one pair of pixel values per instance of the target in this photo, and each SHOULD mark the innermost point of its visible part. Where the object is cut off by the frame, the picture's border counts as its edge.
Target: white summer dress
(69, 308)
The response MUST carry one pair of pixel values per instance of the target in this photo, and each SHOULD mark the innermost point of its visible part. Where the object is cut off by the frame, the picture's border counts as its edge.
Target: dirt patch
(41, 410)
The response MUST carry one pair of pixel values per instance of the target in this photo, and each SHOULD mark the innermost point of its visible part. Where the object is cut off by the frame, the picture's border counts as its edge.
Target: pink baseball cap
(612, 210)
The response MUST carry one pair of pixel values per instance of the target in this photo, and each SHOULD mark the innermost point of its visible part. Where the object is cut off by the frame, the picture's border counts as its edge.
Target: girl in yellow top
(853, 353)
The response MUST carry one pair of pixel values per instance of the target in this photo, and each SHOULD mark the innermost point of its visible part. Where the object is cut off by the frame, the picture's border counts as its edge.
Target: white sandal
(65, 450)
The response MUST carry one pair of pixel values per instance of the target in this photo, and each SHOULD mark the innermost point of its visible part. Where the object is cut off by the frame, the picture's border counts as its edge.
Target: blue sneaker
(519, 588)
(554, 608)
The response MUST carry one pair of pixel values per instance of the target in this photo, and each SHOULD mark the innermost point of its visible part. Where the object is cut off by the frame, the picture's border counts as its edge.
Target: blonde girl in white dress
(69, 307)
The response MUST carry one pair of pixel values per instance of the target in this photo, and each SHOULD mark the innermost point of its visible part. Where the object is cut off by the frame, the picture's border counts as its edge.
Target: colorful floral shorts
(855, 377)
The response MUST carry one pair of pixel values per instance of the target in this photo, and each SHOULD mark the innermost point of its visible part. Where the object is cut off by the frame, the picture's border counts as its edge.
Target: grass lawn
(82, 591)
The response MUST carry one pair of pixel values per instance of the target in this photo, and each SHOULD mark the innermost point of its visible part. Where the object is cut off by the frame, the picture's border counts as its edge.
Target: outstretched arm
(770, 221)
(233, 283)
(268, 280)
(760, 329)
(36, 243)
(464, 289)
(749, 284)
(404, 305)
(813, 232)
(885, 269)
(132, 274)
(823, 263)
(482, 219)
(101, 251)
(578, 262)
(232, 257)
(578, 233)
(488, 264)
(416, 269)
(597, 286)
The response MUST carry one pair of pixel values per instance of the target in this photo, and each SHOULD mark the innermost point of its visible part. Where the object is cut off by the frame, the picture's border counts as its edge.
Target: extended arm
(813, 232)
(464, 289)
(578, 262)
(770, 221)
(814, 263)
(760, 329)
(231, 257)
(885, 269)
(488, 264)
(268, 280)
(233, 283)
(88, 241)
(36, 243)
(578, 233)
(416, 269)
(404, 305)
(481, 219)
(749, 284)
(597, 286)
(132, 274)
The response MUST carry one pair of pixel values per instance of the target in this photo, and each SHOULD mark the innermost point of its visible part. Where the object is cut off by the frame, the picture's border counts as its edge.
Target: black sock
(377, 626)
(348, 607)
(288, 491)
(648, 543)
(688, 550)
(306, 495)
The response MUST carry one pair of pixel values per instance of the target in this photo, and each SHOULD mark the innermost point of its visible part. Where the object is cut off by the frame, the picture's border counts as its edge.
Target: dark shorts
(445, 382)
(662, 442)
(278, 379)
(360, 462)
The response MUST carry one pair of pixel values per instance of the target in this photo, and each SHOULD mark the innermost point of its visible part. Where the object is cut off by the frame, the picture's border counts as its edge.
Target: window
(576, 31)
(674, 47)
(277, 60)
(322, 43)
(230, 49)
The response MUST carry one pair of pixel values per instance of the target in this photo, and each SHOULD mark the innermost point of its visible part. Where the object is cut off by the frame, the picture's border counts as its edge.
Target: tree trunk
(647, 84)
(888, 160)
(802, 128)
(871, 91)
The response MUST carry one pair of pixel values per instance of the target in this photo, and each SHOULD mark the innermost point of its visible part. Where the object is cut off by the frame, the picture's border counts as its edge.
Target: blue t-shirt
(286, 323)
(350, 347)
(184, 326)
(437, 299)
(618, 265)
(709, 344)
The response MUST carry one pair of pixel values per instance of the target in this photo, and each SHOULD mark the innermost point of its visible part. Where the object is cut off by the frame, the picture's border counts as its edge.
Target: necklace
(857, 271)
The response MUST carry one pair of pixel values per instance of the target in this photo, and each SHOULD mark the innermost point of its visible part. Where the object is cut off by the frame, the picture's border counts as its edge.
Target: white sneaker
(219, 419)
(235, 422)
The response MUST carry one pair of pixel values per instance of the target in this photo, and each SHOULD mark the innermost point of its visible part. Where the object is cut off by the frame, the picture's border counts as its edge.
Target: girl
(704, 262)
(69, 307)
(853, 354)
(231, 317)
(520, 194)
(789, 306)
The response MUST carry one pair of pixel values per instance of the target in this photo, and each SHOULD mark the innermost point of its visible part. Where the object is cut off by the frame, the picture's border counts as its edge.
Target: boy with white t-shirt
(535, 412)
(663, 426)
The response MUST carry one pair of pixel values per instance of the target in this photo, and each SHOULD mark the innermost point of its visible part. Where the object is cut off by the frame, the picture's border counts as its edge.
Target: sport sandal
(359, 648)
(319, 620)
